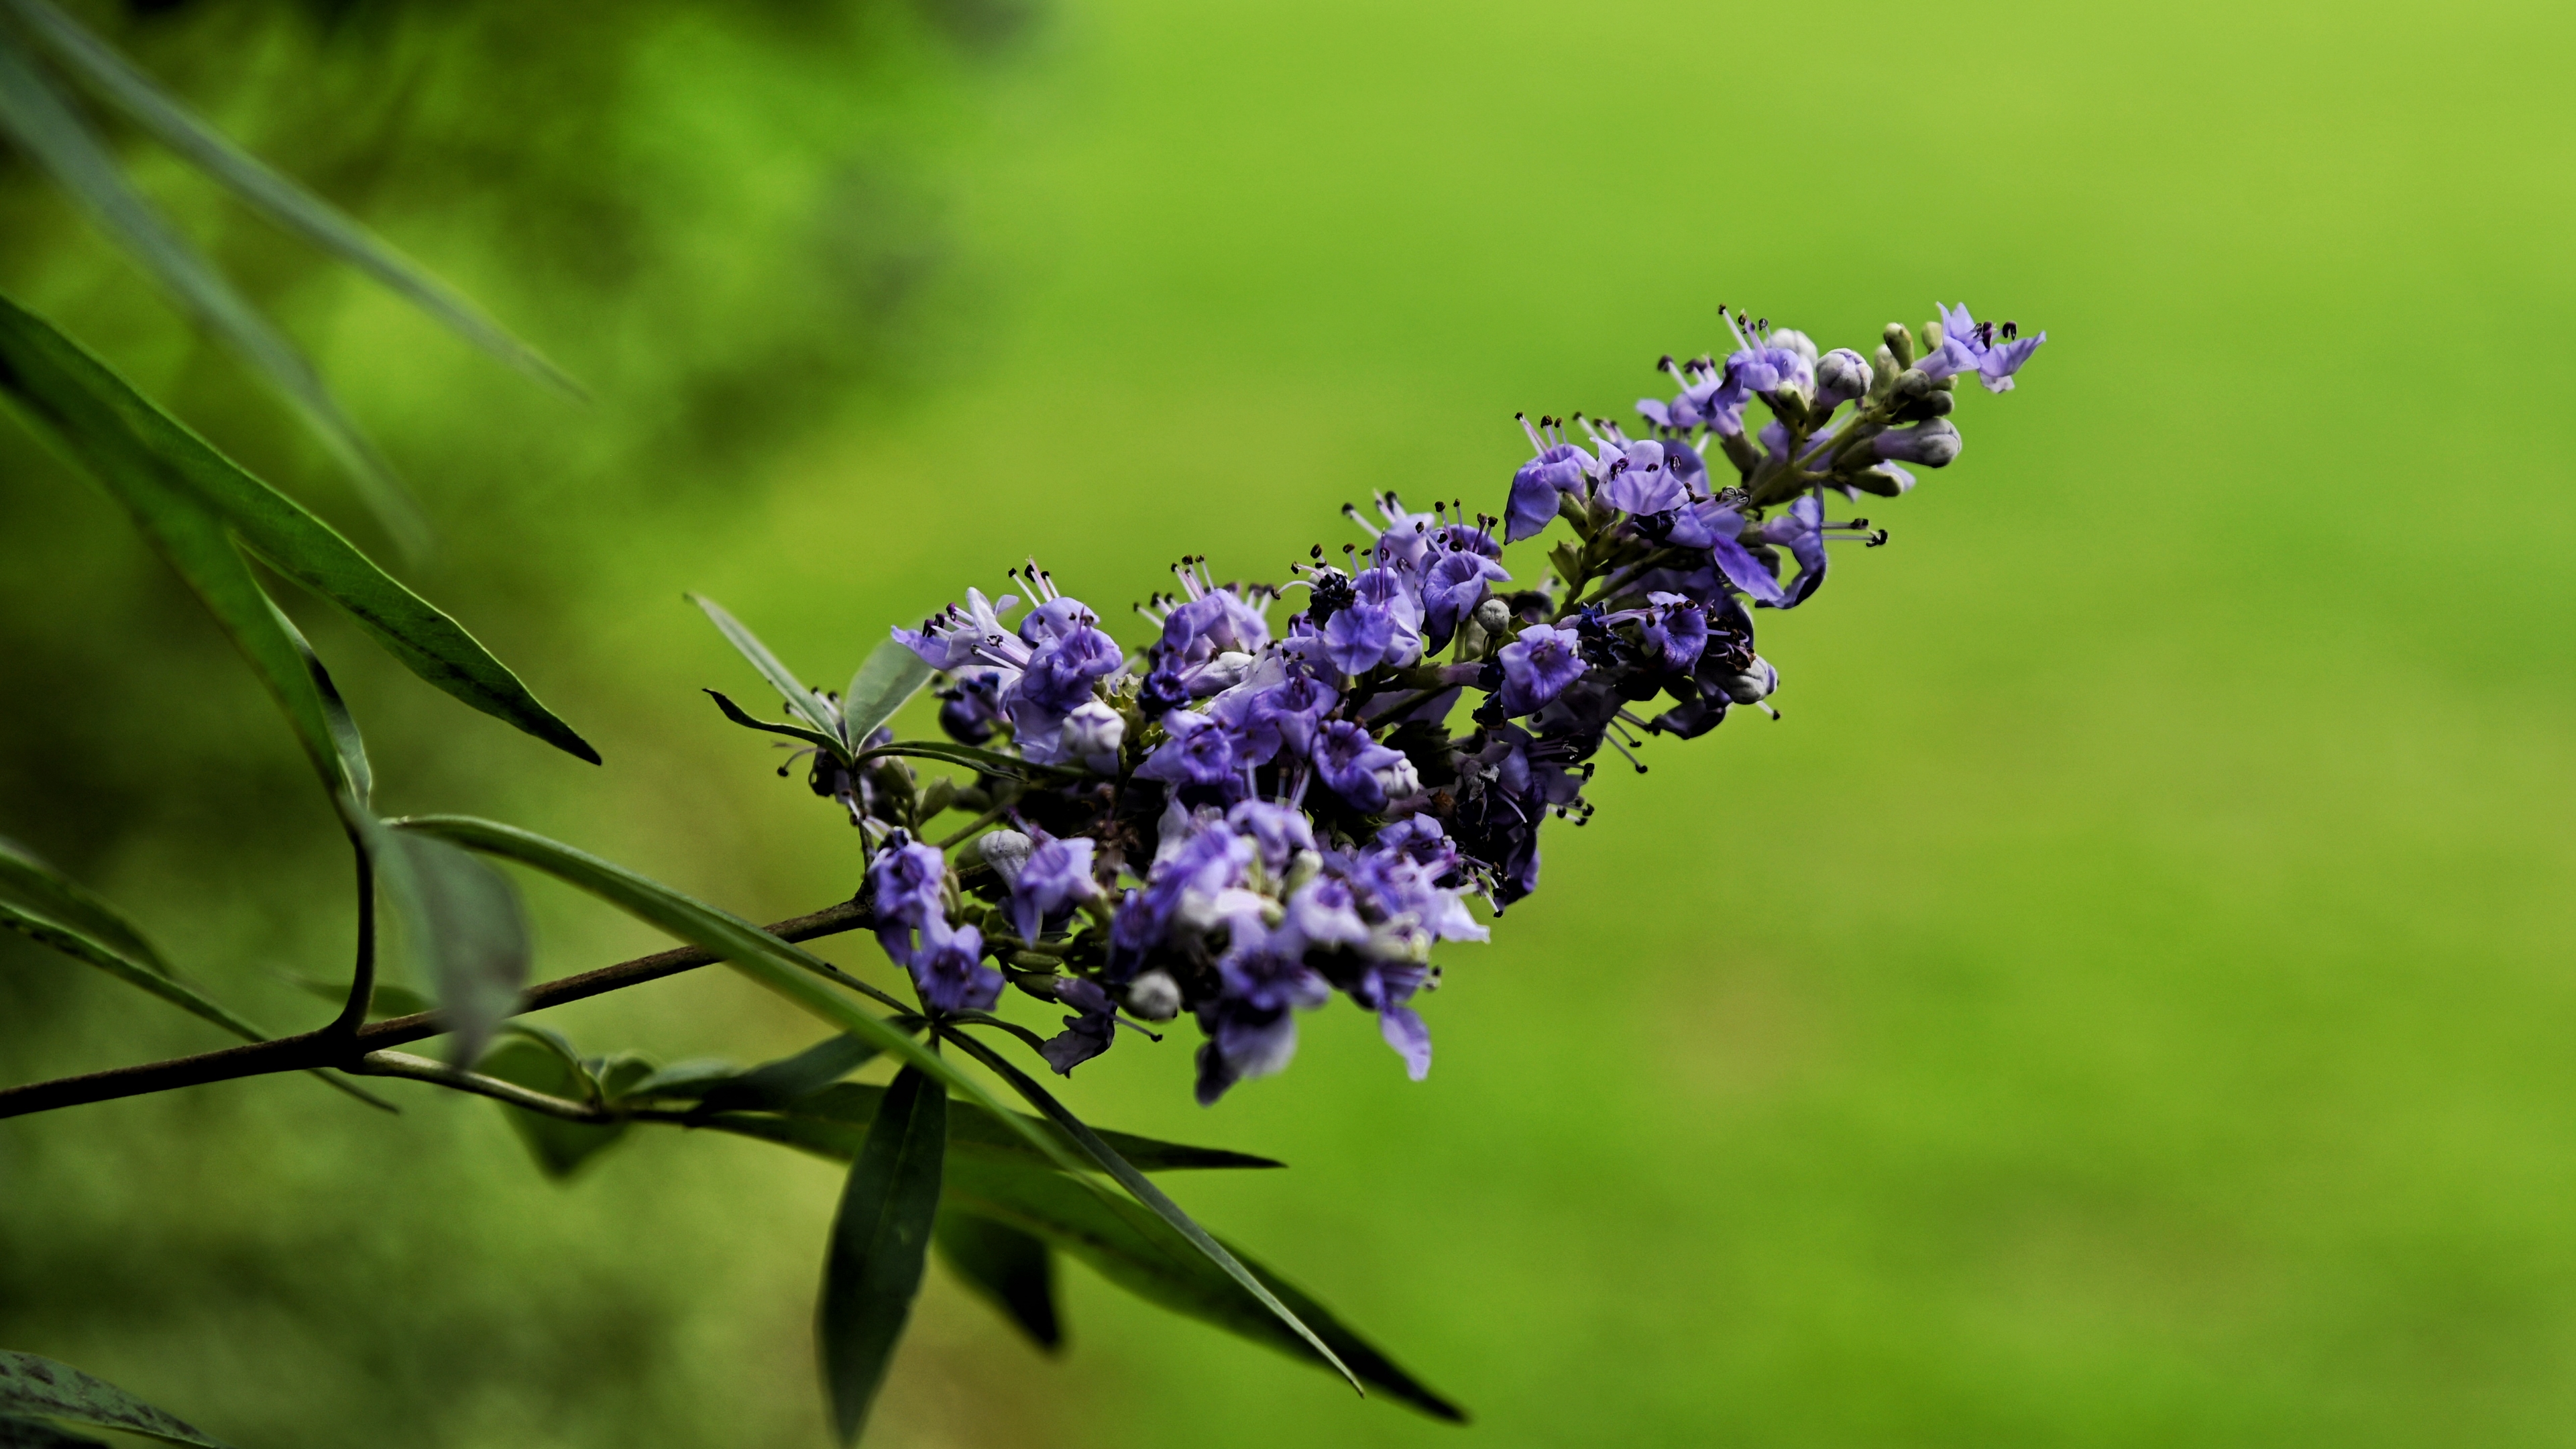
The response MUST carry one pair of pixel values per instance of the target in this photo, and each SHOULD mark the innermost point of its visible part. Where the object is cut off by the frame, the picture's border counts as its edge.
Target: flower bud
(1494, 617)
(1303, 867)
(1006, 851)
(1754, 685)
(1796, 341)
(1932, 444)
(1399, 780)
(1092, 734)
(1154, 996)
(1900, 343)
(1933, 336)
(1841, 375)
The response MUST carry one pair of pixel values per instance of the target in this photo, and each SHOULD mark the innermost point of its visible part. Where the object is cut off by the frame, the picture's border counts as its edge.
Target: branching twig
(324, 1048)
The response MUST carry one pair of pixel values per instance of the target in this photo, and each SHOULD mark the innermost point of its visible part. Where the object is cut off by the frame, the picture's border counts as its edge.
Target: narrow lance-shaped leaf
(1142, 1254)
(273, 194)
(1151, 1196)
(58, 138)
(801, 699)
(18, 1433)
(533, 1061)
(1012, 1270)
(891, 675)
(830, 1123)
(790, 1079)
(30, 1384)
(990, 762)
(388, 999)
(747, 720)
(26, 880)
(788, 969)
(160, 470)
(463, 922)
(879, 1240)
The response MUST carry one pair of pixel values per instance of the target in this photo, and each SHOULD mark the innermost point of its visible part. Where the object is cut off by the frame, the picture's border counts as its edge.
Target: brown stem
(326, 1048)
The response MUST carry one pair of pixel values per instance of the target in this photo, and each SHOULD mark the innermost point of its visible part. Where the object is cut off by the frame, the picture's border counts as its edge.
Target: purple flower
(1640, 483)
(1451, 591)
(1196, 752)
(1539, 666)
(950, 973)
(1085, 1036)
(1357, 638)
(1403, 1030)
(1932, 443)
(1676, 630)
(1558, 467)
(1060, 671)
(907, 882)
(1358, 768)
(1055, 875)
(1243, 1041)
(1277, 832)
(957, 637)
(1802, 533)
(970, 707)
(1841, 375)
(1971, 346)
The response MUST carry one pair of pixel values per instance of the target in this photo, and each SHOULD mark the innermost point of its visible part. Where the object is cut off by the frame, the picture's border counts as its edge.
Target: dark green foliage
(1012, 1270)
(541, 1062)
(465, 929)
(32, 1385)
(831, 1121)
(879, 1240)
(18, 1433)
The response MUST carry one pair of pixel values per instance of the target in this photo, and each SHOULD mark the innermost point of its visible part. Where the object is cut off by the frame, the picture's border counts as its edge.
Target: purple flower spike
(1558, 468)
(1971, 346)
(1802, 533)
(1640, 483)
(1403, 1029)
(1056, 874)
(1197, 752)
(1244, 1041)
(1452, 590)
(1538, 667)
(950, 972)
(1085, 1036)
(1358, 637)
(1932, 444)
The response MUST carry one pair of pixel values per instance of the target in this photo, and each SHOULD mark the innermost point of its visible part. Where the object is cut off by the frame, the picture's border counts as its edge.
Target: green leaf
(788, 969)
(33, 1385)
(1012, 1270)
(891, 675)
(689, 1080)
(463, 923)
(1151, 1196)
(53, 133)
(740, 716)
(17, 1433)
(560, 1147)
(272, 194)
(193, 502)
(879, 1240)
(779, 1083)
(343, 726)
(989, 762)
(26, 880)
(801, 700)
(1144, 1255)
(831, 1121)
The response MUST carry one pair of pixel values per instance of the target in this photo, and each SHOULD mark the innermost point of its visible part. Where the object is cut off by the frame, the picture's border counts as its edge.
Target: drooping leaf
(879, 1240)
(783, 967)
(989, 762)
(830, 1123)
(34, 1385)
(617, 1075)
(688, 1081)
(335, 711)
(271, 193)
(193, 502)
(52, 132)
(789, 1079)
(1139, 1252)
(26, 880)
(801, 699)
(1012, 1270)
(18, 1433)
(560, 1147)
(747, 720)
(1126, 1176)
(463, 922)
(891, 675)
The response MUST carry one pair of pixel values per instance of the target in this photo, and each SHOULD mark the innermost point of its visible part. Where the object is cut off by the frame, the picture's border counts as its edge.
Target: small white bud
(1005, 851)
(1154, 996)
(1092, 734)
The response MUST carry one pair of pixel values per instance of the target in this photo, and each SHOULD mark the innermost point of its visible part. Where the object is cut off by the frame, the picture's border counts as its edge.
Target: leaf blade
(33, 1384)
(26, 880)
(801, 700)
(829, 1122)
(273, 194)
(879, 1244)
(887, 680)
(464, 925)
(1006, 1267)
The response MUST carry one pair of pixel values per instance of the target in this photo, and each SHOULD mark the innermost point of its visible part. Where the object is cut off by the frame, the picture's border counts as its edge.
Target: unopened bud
(1005, 851)
(1796, 341)
(1932, 444)
(1154, 996)
(1092, 734)
(1900, 343)
(1754, 685)
(1494, 617)
(1932, 337)
(1303, 867)
(1841, 375)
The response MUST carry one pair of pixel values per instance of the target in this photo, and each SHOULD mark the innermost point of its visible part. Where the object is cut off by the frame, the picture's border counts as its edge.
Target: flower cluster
(1242, 818)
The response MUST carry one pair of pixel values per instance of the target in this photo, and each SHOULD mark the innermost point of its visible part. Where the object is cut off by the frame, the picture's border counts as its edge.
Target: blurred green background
(2125, 1001)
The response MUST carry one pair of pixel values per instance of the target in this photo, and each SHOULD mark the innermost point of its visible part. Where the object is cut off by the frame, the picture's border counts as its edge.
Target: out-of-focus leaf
(17, 1433)
(783, 967)
(335, 710)
(615, 1076)
(1126, 1176)
(271, 193)
(58, 138)
(891, 675)
(1012, 1270)
(989, 762)
(779, 1083)
(747, 720)
(1139, 1252)
(193, 502)
(801, 699)
(559, 1146)
(388, 999)
(831, 1121)
(463, 923)
(26, 880)
(880, 1238)
(30, 1384)
(689, 1080)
